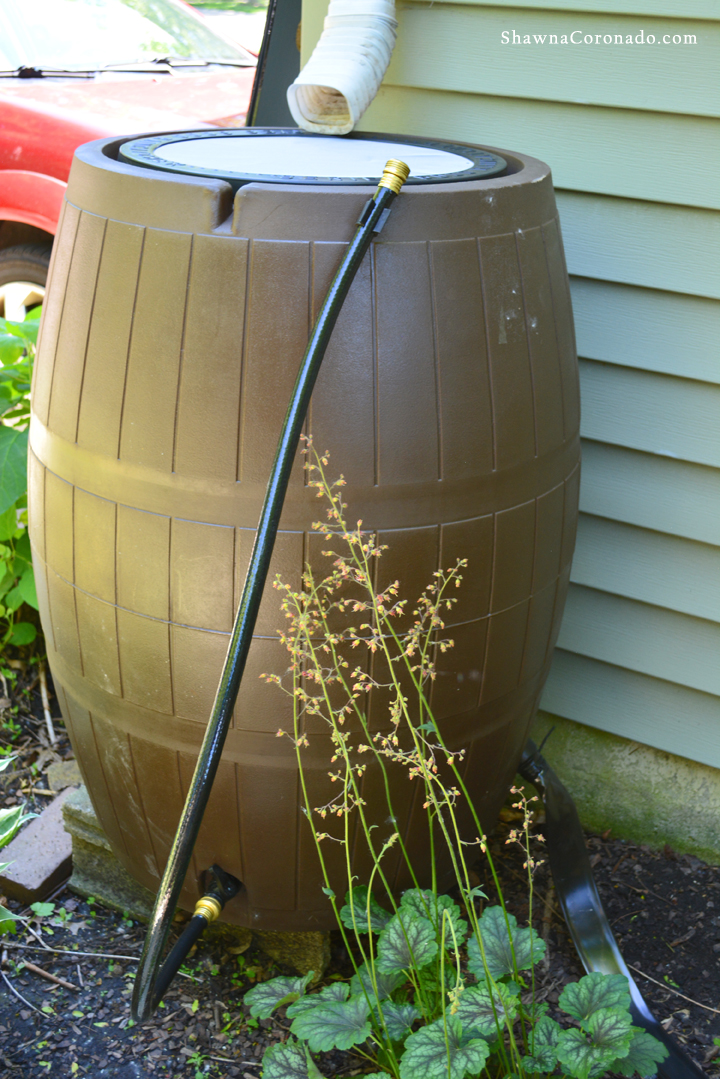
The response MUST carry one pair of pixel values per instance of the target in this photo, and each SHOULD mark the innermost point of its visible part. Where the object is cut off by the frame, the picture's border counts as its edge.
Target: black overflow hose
(582, 906)
(146, 994)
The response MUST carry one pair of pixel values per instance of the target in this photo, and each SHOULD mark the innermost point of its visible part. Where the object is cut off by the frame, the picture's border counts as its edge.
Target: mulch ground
(664, 907)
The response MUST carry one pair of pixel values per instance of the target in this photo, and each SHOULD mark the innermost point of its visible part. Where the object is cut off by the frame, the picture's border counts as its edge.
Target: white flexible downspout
(346, 68)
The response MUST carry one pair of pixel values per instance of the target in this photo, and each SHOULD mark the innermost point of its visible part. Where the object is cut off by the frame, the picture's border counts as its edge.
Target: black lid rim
(141, 152)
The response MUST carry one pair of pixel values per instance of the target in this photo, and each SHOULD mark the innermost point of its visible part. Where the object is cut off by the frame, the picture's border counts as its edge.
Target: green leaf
(26, 588)
(611, 1028)
(13, 600)
(43, 910)
(8, 399)
(384, 983)
(579, 1057)
(377, 918)
(5, 762)
(264, 998)
(8, 521)
(23, 549)
(586, 1055)
(13, 465)
(428, 905)
(644, 1056)
(10, 349)
(545, 1036)
(430, 1055)
(484, 1013)
(10, 821)
(335, 1025)
(594, 991)
(398, 1019)
(24, 331)
(34, 315)
(336, 991)
(407, 941)
(7, 920)
(288, 1061)
(23, 633)
(527, 946)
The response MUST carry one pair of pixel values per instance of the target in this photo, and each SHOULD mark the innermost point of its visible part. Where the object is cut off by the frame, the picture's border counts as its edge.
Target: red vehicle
(75, 70)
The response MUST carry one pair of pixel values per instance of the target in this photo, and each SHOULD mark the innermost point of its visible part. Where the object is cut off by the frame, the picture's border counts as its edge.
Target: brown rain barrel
(176, 315)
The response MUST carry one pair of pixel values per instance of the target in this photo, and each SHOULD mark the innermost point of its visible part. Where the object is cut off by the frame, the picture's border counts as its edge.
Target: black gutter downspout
(582, 906)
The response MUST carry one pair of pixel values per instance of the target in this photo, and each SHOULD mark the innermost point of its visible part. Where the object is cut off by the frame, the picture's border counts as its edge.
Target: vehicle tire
(23, 276)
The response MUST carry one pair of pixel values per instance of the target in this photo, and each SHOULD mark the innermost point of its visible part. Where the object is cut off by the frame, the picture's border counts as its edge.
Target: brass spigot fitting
(394, 175)
(208, 908)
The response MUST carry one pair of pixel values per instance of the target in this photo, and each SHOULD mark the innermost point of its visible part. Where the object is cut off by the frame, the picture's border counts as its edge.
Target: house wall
(631, 134)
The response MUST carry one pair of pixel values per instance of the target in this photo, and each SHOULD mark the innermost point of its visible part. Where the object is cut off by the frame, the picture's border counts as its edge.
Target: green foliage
(428, 905)
(397, 1019)
(42, 910)
(439, 990)
(375, 983)
(484, 1011)
(408, 941)
(591, 1051)
(17, 583)
(334, 1024)
(267, 996)
(289, 1061)
(507, 948)
(362, 912)
(10, 821)
(581, 999)
(337, 992)
(442, 1050)
(644, 1055)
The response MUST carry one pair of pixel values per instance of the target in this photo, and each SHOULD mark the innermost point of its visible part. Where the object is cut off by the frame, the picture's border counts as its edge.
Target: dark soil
(665, 911)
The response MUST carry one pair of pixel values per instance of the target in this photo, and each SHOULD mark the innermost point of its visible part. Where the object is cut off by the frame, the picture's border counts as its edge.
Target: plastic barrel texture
(173, 327)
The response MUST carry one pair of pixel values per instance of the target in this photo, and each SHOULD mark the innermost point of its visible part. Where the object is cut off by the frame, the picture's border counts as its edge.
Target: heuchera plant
(442, 989)
(394, 1008)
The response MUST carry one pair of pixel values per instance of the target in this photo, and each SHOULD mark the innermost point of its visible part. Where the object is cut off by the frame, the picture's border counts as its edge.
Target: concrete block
(641, 793)
(97, 872)
(303, 951)
(95, 869)
(40, 855)
(63, 774)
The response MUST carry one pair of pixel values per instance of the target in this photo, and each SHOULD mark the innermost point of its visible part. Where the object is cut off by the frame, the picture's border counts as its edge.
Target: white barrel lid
(284, 155)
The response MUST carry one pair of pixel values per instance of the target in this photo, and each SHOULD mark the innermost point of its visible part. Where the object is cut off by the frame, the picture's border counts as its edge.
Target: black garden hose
(582, 906)
(146, 995)
(220, 887)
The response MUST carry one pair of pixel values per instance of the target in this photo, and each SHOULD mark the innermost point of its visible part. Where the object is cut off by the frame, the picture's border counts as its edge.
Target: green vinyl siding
(631, 134)
(642, 243)
(644, 637)
(673, 417)
(653, 567)
(618, 75)
(554, 131)
(654, 492)
(678, 9)
(655, 711)
(647, 328)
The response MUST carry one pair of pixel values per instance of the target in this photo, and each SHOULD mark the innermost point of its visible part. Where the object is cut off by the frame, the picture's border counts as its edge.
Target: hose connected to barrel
(148, 989)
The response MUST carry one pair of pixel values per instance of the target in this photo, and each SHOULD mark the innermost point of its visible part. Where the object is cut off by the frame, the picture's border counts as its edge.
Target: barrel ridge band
(582, 906)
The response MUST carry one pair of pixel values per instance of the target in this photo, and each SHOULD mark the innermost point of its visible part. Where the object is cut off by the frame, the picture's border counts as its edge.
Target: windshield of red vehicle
(91, 34)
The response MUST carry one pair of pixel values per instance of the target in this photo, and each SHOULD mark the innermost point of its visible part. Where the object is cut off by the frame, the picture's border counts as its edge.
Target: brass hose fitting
(394, 175)
(208, 908)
